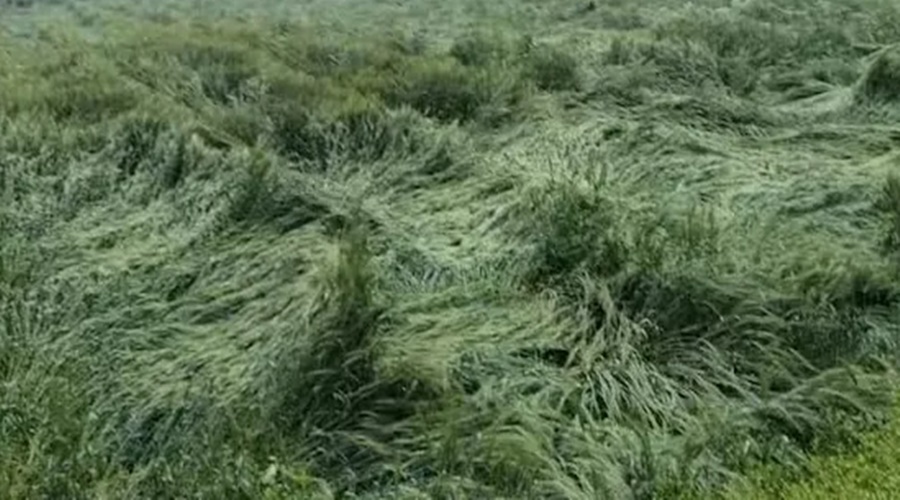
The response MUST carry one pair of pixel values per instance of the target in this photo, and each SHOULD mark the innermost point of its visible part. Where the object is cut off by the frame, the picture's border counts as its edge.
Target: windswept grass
(865, 473)
(642, 256)
(879, 83)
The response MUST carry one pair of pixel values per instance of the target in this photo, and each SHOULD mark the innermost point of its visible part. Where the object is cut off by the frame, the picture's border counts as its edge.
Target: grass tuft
(552, 70)
(889, 205)
(879, 83)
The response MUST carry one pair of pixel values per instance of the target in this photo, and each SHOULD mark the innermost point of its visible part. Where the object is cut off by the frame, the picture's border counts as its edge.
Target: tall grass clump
(574, 230)
(552, 69)
(665, 339)
(879, 83)
(480, 48)
(327, 387)
(888, 204)
(339, 363)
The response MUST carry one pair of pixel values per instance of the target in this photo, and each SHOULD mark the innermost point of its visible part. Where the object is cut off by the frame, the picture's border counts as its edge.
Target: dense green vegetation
(596, 250)
(869, 472)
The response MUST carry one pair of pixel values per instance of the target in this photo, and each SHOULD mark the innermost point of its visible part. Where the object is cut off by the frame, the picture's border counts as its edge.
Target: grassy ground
(463, 249)
(870, 472)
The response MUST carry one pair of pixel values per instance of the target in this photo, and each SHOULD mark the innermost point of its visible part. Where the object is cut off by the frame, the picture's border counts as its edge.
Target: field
(449, 249)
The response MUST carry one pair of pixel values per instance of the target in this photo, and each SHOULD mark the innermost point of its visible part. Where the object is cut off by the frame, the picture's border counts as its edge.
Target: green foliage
(479, 49)
(441, 90)
(865, 472)
(254, 189)
(66, 85)
(253, 259)
(448, 91)
(552, 70)
(759, 43)
(573, 231)
(879, 83)
(889, 205)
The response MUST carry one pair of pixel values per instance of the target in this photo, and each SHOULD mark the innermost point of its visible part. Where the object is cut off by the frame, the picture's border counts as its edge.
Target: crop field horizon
(449, 250)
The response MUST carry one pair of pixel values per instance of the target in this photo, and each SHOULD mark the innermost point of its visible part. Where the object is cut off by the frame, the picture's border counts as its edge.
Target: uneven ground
(456, 249)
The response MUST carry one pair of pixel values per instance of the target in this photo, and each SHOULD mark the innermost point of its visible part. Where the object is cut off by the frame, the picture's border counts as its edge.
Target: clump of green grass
(879, 83)
(446, 90)
(574, 230)
(552, 69)
(329, 390)
(479, 48)
(889, 205)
